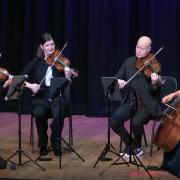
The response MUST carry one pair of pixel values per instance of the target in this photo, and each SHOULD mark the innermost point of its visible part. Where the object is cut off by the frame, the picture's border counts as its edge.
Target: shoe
(56, 148)
(156, 168)
(126, 150)
(57, 152)
(137, 151)
(43, 152)
(45, 158)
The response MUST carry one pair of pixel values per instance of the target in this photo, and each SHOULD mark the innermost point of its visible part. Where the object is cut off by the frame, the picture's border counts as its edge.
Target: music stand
(133, 159)
(112, 93)
(56, 89)
(14, 92)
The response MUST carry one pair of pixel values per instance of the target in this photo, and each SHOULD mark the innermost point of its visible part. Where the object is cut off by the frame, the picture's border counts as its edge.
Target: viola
(60, 62)
(57, 60)
(150, 65)
(141, 67)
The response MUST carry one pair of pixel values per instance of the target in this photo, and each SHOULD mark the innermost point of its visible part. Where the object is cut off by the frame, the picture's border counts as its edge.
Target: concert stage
(90, 137)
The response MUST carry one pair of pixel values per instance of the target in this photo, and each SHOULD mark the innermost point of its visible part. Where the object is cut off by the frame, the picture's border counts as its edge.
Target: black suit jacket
(36, 71)
(148, 94)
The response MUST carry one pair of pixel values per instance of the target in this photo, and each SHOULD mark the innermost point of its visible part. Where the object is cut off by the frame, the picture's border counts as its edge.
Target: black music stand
(133, 159)
(14, 92)
(112, 93)
(58, 84)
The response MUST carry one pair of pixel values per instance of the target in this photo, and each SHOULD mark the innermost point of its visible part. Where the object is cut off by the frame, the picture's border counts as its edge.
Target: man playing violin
(145, 89)
(42, 107)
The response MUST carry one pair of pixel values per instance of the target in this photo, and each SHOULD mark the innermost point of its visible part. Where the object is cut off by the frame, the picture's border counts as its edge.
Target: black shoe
(56, 148)
(156, 168)
(57, 152)
(43, 152)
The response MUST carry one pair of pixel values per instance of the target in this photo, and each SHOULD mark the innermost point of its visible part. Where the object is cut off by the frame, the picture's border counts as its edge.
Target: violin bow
(53, 64)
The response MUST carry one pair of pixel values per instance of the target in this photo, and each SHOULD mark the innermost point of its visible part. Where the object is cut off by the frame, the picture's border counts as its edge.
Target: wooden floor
(90, 138)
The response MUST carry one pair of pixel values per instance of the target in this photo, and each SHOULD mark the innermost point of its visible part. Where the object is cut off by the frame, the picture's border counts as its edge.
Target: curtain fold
(100, 35)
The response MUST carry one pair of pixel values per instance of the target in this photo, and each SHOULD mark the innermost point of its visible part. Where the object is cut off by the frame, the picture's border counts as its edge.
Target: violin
(57, 60)
(60, 62)
(141, 67)
(149, 67)
(4, 74)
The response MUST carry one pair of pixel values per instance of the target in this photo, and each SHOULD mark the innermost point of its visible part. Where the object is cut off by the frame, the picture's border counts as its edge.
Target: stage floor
(90, 138)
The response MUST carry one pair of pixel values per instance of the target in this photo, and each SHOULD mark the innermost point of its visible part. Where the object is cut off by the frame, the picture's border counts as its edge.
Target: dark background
(100, 35)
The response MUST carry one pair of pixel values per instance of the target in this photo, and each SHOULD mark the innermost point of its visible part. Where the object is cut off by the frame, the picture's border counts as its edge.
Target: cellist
(171, 160)
(169, 97)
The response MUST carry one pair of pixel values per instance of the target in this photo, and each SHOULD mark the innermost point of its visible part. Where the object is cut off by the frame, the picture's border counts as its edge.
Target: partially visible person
(171, 160)
(169, 97)
(42, 107)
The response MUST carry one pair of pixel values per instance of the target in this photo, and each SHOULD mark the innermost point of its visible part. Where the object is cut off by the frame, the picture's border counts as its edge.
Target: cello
(167, 135)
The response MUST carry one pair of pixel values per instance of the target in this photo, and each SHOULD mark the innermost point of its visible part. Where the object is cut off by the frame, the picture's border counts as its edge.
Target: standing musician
(145, 89)
(42, 108)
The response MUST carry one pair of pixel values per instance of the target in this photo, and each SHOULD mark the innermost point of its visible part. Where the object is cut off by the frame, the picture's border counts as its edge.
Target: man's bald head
(143, 46)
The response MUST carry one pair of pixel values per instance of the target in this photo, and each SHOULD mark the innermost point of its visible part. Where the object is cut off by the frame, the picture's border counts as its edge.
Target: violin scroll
(4, 74)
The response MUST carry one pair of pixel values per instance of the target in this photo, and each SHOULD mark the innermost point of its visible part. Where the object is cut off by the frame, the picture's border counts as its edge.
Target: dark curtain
(100, 35)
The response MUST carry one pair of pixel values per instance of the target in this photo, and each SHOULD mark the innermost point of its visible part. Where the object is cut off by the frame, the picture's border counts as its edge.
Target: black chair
(169, 86)
(68, 114)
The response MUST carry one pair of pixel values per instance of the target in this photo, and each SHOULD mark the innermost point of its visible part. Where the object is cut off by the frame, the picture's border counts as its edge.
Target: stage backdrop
(100, 35)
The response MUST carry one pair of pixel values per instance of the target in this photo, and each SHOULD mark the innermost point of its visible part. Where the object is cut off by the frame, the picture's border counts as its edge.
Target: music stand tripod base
(133, 159)
(14, 92)
(112, 93)
(57, 84)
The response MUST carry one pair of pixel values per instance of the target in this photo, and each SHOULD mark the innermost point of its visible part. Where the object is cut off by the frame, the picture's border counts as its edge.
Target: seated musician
(146, 89)
(171, 160)
(169, 97)
(38, 69)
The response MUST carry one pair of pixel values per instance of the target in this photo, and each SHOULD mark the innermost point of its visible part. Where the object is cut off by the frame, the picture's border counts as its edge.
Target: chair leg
(70, 123)
(32, 133)
(145, 139)
(152, 138)
(70, 131)
(120, 145)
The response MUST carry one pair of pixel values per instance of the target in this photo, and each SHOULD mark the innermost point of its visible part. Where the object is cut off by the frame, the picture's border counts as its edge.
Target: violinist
(145, 89)
(42, 108)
